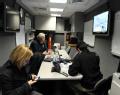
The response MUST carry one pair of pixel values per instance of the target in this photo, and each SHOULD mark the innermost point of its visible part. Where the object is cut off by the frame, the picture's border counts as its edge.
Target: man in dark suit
(87, 64)
(39, 45)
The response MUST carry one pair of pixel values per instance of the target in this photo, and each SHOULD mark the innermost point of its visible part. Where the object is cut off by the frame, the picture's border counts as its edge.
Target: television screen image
(100, 24)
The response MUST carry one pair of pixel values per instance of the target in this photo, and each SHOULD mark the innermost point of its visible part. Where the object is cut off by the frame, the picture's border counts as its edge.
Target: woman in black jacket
(14, 77)
(86, 63)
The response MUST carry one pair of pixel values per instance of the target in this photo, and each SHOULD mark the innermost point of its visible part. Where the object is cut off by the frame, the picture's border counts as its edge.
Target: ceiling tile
(42, 6)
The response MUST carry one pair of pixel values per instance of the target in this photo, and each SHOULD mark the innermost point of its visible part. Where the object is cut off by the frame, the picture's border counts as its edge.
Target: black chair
(68, 49)
(101, 88)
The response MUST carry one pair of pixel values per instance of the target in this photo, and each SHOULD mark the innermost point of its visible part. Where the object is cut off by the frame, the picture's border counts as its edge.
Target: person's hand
(31, 82)
(45, 53)
(49, 51)
(33, 77)
(48, 56)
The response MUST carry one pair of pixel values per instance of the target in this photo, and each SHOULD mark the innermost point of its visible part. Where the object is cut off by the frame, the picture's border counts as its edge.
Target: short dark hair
(82, 46)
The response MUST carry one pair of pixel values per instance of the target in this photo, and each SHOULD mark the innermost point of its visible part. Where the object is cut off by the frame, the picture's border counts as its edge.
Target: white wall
(115, 47)
(88, 37)
(45, 23)
(7, 43)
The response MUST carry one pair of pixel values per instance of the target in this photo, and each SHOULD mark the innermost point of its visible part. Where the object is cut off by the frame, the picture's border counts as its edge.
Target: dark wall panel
(67, 25)
(59, 38)
(114, 5)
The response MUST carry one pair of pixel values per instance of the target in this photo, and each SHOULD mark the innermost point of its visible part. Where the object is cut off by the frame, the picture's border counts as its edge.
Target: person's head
(81, 46)
(20, 55)
(41, 37)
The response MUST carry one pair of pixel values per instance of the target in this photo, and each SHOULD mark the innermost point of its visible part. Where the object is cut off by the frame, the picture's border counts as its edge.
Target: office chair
(101, 88)
(68, 49)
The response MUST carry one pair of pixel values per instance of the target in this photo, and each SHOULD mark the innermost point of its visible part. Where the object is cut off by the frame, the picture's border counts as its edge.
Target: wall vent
(40, 8)
(75, 1)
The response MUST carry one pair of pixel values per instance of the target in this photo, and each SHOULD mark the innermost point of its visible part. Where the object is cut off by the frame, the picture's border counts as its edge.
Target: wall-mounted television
(12, 19)
(9, 19)
(101, 23)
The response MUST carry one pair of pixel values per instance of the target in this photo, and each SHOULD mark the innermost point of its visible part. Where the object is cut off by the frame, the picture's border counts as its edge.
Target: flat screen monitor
(12, 19)
(12, 22)
(9, 18)
(101, 23)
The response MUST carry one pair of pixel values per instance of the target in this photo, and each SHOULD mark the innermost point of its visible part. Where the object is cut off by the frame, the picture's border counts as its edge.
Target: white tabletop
(46, 74)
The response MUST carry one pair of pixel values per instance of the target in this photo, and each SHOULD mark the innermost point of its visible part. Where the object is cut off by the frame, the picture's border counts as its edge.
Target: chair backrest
(68, 49)
(73, 52)
(103, 86)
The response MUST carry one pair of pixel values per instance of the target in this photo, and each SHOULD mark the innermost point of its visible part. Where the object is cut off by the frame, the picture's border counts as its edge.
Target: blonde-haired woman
(14, 78)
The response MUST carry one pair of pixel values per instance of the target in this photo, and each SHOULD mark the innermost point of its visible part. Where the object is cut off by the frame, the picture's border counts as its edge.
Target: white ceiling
(41, 7)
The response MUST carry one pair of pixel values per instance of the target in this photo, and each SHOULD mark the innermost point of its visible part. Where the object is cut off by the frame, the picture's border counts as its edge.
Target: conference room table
(46, 67)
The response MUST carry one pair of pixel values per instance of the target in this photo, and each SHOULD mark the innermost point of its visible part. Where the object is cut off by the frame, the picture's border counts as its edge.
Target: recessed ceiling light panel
(58, 1)
(56, 15)
(56, 10)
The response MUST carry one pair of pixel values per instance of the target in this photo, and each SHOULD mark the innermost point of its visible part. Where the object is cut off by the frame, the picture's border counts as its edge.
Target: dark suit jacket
(37, 47)
(86, 63)
(35, 63)
(13, 80)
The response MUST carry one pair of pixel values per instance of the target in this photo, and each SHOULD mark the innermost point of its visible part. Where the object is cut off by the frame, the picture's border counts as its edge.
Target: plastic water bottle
(56, 56)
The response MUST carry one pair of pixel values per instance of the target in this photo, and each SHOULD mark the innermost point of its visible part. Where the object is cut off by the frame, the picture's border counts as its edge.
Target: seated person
(39, 45)
(87, 64)
(13, 75)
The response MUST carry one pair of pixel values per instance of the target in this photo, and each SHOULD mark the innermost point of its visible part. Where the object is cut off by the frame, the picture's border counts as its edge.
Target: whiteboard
(88, 37)
(27, 24)
(115, 48)
(20, 36)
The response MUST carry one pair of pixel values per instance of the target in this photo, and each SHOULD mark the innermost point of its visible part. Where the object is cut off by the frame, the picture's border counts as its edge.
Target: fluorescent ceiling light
(58, 1)
(56, 10)
(55, 14)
